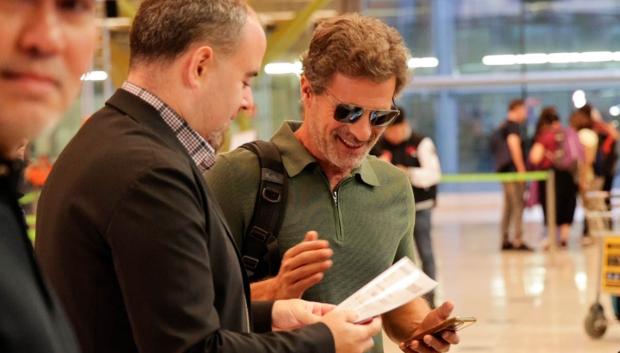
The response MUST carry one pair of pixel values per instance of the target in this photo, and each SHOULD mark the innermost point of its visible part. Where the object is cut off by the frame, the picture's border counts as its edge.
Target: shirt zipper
(338, 216)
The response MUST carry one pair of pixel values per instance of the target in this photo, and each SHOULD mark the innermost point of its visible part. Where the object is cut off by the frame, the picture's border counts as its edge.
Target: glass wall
(492, 51)
(486, 53)
(489, 52)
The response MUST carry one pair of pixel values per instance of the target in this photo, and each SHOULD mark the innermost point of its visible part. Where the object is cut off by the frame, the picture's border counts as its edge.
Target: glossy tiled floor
(525, 302)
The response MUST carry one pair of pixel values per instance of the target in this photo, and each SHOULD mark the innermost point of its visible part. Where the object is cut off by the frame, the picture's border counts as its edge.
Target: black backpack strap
(260, 254)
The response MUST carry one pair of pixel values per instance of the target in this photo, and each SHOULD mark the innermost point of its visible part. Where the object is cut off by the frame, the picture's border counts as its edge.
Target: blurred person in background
(607, 153)
(582, 122)
(415, 154)
(38, 170)
(510, 136)
(45, 47)
(363, 206)
(604, 162)
(547, 147)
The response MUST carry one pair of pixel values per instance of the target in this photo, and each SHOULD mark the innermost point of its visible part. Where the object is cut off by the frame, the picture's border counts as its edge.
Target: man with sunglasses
(362, 207)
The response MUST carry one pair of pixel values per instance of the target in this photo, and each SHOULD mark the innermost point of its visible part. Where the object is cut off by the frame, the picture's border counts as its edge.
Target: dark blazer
(137, 248)
(31, 320)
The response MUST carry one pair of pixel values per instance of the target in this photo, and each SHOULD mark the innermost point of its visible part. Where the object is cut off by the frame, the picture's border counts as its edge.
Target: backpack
(568, 150)
(259, 252)
(499, 148)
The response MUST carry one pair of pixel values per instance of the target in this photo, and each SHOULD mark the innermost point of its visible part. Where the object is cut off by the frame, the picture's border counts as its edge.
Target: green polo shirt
(368, 220)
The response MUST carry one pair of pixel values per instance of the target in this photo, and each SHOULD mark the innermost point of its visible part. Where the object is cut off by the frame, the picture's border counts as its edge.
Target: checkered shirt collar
(199, 149)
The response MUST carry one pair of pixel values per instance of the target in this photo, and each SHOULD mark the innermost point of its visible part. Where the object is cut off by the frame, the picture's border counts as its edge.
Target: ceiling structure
(288, 23)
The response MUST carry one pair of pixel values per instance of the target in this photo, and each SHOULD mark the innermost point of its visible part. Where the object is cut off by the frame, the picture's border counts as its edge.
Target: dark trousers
(424, 243)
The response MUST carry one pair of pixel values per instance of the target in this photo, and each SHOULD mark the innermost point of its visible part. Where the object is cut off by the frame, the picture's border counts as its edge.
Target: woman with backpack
(551, 151)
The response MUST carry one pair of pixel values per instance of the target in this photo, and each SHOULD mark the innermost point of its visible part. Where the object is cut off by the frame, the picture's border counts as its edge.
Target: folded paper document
(398, 285)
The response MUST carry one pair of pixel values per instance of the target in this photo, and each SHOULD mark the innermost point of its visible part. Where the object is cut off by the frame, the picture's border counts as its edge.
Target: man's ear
(306, 88)
(200, 63)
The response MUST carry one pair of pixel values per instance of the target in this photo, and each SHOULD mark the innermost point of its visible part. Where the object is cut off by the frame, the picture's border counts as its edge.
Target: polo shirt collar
(295, 157)
(367, 173)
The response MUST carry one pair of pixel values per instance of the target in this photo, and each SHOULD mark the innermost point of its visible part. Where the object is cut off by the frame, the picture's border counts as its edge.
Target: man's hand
(432, 344)
(350, 337)
(295, 313)
(302, 267)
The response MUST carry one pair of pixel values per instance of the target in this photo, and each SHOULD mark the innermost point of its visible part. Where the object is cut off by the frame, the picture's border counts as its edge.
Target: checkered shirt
(199, 149)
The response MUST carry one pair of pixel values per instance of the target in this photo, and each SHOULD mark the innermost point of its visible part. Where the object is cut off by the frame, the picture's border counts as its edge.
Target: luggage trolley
(599, 219)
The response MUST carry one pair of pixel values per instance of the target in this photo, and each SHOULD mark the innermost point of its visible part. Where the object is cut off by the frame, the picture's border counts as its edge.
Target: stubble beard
(327, 145)
(216, 139)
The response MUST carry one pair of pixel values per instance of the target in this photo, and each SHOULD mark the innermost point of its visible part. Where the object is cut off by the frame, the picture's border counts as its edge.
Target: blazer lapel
(146, 114)
(219, 213)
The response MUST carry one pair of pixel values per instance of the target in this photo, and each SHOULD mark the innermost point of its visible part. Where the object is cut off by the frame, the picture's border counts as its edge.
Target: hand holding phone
(451, 324)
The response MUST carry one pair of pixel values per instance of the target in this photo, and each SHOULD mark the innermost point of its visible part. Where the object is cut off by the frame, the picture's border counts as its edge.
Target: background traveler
(604, 165)
(582, 122)
(547, 147)
(510, 132)
(415, 154)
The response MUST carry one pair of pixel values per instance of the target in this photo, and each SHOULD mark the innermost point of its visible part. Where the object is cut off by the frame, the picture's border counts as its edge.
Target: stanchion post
(551, 220)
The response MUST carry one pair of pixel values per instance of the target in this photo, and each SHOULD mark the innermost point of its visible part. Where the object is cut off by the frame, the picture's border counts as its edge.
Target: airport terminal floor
(524, 301)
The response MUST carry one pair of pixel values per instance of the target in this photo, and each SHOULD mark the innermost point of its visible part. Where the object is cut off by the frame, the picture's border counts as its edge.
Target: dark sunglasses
(350, 113)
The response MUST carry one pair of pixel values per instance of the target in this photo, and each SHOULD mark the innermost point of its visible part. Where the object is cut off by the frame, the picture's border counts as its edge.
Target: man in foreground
(127, 230)
(362, 205)
(45, 47)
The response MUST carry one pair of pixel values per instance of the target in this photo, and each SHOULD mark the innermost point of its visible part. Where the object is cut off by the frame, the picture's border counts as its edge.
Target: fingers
(445, 310)
(290, 314)
(367, 345)
(297, 288)
(321, 309)
(451, 337)
(410, 347)
(348, 336)
(325, 308)
(293, 273)
(303, 311)
(349, 315)
(368, 331)
(405, 347)
(303, 266)
(419, 347)
(436, 344)
(308, 318)
(306, 264)
(431, 344)
(305, 246)
(311, 235)
(308, 258)
(374, 326)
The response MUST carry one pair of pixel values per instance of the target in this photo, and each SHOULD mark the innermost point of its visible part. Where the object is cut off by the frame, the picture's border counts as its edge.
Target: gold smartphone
(451, 324)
